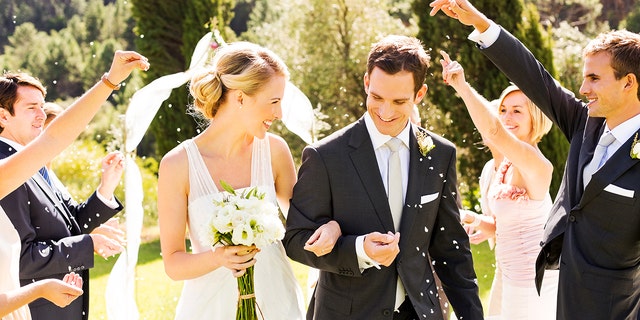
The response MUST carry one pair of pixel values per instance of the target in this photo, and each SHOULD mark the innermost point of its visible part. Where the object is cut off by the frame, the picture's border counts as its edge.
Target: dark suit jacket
(596, 231)
(54, 235)
(339, 179)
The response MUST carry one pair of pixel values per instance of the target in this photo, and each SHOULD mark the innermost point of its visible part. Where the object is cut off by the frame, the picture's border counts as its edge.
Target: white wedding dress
(9, 264)
(215, 295)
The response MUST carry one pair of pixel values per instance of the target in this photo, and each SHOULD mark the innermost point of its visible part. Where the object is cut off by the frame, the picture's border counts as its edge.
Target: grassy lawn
(157, 295)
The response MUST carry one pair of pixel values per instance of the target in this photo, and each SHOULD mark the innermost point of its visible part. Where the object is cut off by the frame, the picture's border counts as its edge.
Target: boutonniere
(635, 148)
(425, 143)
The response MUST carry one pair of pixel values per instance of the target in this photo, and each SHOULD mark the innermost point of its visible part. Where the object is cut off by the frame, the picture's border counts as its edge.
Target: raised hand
(112, 169)
(382, 248)
(452, 71)
(462, 11)
(324, 238)
(62, 292)
(124, 62)
(236, 258)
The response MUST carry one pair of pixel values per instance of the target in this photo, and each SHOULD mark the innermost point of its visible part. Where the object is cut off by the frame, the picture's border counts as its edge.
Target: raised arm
(525, 156)
(66, 127)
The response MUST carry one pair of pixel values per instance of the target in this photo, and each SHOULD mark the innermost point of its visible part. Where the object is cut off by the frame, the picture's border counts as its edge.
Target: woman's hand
(236, 258)
(324, 238)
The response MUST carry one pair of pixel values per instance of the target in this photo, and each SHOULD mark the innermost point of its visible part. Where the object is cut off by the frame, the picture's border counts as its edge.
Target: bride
(240, 95)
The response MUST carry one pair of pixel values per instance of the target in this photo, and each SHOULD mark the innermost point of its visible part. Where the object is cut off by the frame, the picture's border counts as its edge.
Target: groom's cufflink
(429, 197)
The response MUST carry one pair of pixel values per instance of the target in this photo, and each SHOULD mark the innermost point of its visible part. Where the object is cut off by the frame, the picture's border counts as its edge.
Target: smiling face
(260, 110)
(602, 89)
(515, 116)
(390, 99)
(28, 117)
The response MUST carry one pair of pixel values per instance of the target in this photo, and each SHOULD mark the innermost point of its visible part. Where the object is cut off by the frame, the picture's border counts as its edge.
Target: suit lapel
(417, 177)
(57, 203)
(364, 160)
(615, 166)
(39, 181)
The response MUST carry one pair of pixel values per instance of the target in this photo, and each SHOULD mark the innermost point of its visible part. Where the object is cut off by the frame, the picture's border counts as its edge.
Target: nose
(277, 111)
(385, 110)
(584, 90)
(41, 114)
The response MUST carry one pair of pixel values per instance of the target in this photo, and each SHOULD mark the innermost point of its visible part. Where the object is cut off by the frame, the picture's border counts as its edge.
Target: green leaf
(227, 187)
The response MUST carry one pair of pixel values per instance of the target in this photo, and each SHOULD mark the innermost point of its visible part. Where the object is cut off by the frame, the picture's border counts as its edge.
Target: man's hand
(462, 11)
(382, 248)
(112, 169)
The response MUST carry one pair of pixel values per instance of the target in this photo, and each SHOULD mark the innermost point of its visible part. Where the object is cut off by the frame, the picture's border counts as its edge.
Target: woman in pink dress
(516, 196)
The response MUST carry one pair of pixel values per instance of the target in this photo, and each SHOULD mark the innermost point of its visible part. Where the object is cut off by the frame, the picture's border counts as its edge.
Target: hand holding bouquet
(245, 218)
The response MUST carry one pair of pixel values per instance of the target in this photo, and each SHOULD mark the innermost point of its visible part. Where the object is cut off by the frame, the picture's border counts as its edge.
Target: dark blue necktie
(45, 174)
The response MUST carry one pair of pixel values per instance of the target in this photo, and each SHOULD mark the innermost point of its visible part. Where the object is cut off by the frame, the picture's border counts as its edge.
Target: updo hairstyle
(237, 66)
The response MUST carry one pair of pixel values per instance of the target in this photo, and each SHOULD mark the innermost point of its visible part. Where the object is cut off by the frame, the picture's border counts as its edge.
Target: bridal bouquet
(245, 218)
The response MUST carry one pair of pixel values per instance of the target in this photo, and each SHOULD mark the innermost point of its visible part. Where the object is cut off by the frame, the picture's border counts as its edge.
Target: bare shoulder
(175, 161)
(279, 147)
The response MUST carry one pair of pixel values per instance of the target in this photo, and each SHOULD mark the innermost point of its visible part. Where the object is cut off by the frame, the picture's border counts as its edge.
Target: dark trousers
(405, 311)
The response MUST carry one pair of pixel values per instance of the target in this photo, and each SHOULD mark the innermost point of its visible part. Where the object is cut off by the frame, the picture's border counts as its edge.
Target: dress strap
(200, 182)
(261, 171)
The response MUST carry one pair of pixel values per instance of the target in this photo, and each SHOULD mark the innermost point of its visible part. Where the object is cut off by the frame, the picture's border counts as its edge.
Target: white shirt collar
(378, 139)
(625, 130)
(12, 143)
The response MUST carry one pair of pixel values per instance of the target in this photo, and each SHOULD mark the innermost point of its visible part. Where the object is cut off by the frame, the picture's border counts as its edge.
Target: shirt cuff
(364, 262)
(487, 38)
(112, 204)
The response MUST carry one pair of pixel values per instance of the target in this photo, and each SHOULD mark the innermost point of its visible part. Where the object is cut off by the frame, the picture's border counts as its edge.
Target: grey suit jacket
(339, 179)
(596, 231)
(54, 232)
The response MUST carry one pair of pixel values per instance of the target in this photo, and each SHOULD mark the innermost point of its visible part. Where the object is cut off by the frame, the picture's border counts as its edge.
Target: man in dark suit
(53, 229)
(378, 268)
(593, 232)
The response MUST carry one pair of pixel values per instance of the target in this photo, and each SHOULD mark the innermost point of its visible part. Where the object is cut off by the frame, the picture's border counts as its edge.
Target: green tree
(443, 33)
(167, 34)
(325, 45)
(632, 21)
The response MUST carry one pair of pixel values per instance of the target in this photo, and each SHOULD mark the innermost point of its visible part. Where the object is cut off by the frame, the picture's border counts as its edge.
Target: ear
(631, 81)
(240, 97)
(420, 94)
(4, 117)
(366, 82)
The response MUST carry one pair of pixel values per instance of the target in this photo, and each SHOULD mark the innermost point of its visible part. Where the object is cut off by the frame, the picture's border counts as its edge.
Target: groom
(379, 267)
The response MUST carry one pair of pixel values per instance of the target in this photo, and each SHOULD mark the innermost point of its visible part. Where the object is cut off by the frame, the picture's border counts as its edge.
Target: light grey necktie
(394, 183)
(599, 157)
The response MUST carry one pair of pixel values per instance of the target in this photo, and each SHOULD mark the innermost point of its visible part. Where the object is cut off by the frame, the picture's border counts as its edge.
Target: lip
(385, 120)
(267, 123)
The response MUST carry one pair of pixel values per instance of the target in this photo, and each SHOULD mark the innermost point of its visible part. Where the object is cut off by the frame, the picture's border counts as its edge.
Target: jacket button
(572, 218)
(386, 312)
(542, 243)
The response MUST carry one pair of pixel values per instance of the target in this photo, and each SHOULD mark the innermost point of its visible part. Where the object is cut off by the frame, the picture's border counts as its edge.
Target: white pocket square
(428, 197)
(619, 191)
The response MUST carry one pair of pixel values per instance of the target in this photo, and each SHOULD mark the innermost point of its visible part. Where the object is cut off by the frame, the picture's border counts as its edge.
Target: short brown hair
(624, 49)
(396, 53)
(9, 83)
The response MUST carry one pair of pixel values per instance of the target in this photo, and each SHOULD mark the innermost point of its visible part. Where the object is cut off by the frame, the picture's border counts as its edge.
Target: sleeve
(526, 72)
(451, 254)
(48, 248)
(310, 208)
(93, 212)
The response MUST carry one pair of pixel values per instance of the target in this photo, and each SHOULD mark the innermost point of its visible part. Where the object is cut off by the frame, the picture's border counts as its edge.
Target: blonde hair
(237, 66)
(540, 124)
(51, 110)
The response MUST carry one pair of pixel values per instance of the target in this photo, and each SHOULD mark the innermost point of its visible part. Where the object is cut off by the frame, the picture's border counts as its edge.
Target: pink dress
(519, 227)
